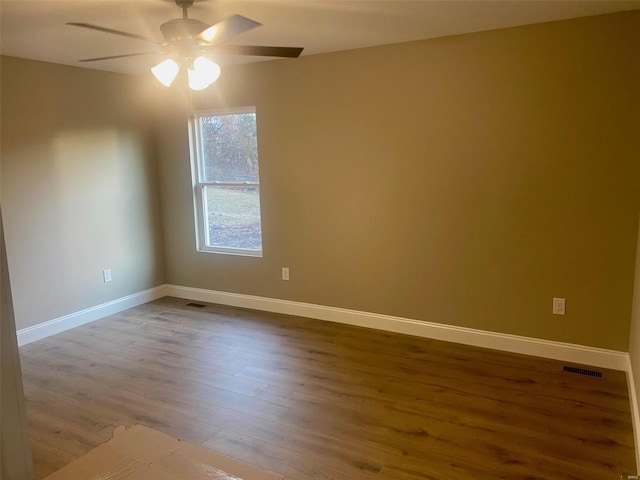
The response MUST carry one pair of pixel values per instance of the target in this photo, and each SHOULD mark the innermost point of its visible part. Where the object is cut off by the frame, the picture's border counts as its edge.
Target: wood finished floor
(314, 400)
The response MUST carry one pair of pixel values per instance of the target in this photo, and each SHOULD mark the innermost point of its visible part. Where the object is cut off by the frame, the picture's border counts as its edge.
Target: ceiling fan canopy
(189, 42)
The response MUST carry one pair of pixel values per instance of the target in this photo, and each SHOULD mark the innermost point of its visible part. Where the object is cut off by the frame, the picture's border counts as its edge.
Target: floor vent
(197, 305)
(582, 371)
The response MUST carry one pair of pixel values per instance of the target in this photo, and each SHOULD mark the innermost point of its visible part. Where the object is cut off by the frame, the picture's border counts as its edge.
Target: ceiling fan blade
(225, 29)
(97, 59)
(113, 31)
(260, 51)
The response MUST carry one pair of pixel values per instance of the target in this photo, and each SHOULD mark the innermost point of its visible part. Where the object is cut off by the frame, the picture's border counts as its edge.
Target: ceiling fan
(188, 42)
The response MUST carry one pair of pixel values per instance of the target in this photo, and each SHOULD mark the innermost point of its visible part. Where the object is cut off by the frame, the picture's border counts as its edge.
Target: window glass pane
(233, 217)
(229, 147)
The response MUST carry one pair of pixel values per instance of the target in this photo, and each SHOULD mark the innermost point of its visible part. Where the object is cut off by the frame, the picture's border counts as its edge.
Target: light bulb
(166, 72)
(203, 74)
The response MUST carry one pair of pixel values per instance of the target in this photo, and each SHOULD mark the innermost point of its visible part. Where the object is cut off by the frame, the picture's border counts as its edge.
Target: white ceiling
(35, 29)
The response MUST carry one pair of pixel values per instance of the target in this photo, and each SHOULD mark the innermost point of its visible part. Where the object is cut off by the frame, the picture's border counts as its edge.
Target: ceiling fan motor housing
(182, 29)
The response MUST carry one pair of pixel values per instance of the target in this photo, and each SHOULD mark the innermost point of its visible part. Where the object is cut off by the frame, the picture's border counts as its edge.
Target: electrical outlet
(558, 306)
(106, 275)
(285, 273)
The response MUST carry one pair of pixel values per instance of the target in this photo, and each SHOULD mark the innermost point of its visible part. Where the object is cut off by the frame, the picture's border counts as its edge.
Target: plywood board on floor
(142, 453)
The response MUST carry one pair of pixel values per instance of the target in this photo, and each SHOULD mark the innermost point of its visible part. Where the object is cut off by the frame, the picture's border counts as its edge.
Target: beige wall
(79, 188)
(464, 180)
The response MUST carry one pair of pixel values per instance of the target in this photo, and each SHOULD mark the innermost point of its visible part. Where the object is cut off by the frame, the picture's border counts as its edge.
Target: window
(226, 181)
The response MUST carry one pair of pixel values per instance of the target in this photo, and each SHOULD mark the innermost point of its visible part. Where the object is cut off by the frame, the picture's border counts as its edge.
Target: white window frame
(199, 184)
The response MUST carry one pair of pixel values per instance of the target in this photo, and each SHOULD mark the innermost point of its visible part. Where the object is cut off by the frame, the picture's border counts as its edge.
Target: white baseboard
(58, 325)
(567, 352)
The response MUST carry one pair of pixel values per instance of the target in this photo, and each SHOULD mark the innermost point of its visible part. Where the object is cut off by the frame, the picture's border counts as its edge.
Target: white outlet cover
(558, 306)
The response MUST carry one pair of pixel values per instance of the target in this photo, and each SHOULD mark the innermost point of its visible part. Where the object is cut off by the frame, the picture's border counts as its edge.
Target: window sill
(231, 251)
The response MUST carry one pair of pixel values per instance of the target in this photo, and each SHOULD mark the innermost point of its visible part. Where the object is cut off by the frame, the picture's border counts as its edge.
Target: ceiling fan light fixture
(166, 71)
(203, 73)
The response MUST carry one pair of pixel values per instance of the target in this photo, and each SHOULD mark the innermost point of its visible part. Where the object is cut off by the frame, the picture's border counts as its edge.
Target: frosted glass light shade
(166, 72)
(203, 74)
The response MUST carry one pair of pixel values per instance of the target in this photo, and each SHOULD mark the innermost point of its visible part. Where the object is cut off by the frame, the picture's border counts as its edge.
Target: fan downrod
(184, 5)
